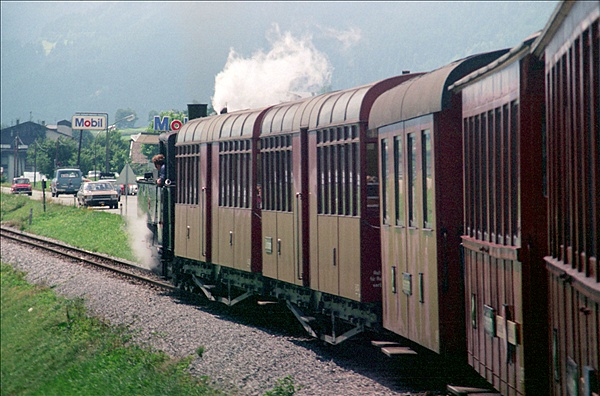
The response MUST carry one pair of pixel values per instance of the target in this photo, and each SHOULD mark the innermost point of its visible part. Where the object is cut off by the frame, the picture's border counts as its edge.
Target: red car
(21, 185)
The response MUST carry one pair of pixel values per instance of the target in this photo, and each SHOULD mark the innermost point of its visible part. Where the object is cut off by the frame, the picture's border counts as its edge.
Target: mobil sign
(165, 124)
(90, 122)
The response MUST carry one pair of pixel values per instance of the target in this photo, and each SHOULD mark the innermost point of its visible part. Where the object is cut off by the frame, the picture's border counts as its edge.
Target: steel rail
(92, 258)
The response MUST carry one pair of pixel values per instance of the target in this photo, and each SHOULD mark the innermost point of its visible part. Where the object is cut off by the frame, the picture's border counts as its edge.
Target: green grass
(50, 347)
(85, 228)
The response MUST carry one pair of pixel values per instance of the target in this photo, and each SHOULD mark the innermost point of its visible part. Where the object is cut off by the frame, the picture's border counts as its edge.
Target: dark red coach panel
(504, 237)
(570, 46)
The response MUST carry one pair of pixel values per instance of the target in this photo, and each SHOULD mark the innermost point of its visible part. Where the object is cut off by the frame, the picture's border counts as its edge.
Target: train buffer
(391, 348)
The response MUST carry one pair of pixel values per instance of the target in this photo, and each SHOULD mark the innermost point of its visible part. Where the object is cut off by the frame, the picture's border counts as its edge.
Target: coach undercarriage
(330, 318)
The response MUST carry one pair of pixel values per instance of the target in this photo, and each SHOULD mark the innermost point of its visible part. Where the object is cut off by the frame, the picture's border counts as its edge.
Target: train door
(225, 216)
(281, 205)
(324, 230)
(335, 210)
(241, 174)
(397, 271)
(187, 211)
(409, 246)
(393, 227)
(234, 213)
(204, 200)
(422, 263)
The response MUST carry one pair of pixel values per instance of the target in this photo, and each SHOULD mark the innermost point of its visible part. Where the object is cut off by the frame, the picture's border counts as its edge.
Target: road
(127, 204)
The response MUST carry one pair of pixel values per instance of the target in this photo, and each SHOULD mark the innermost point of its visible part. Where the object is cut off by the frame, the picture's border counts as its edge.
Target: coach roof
(333, 108)
(237, 124)
(425, 94)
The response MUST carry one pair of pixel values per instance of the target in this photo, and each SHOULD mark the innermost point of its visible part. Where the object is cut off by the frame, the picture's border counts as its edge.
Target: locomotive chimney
(196, 110)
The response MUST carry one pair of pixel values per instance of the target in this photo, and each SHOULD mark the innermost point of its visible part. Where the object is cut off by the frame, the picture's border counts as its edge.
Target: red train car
(570, 46)
(504, 236)
(418, 126)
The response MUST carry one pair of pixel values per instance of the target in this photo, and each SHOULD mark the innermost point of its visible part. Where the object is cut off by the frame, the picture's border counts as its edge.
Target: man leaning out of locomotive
(159, 164)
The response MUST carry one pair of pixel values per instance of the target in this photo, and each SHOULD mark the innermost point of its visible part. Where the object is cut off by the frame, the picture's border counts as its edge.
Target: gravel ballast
(240, 359)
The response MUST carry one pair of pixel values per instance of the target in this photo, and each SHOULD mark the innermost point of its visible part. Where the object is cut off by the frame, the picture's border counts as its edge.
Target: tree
(48, 155)
(121, 122)
(151, 115)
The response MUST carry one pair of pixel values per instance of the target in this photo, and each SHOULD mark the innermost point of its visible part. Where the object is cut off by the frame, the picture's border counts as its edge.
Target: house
(135, 150)
(15, 140)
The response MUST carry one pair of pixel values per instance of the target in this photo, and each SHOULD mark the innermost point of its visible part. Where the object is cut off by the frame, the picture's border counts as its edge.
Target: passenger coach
(217, 217)
(418, 125)
(320, 204)
(570, 48)
(504, 235)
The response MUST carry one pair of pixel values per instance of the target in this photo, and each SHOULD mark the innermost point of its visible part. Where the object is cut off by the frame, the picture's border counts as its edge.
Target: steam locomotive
(457, 208)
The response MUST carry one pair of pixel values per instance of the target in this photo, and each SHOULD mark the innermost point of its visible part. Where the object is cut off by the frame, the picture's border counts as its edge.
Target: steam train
(457, 208)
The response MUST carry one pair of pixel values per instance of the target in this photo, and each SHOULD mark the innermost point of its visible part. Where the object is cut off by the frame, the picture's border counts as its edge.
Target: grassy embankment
(48, 345)
(89, 229)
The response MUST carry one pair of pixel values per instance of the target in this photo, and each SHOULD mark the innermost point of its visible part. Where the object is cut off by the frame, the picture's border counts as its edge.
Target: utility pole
(16, 158)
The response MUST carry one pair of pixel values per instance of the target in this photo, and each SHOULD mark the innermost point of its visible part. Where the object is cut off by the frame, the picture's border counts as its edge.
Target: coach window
(288, 173)
(427, 179)
(498, 177)
(411, 147)
(342, 192)
(336, 199)
(354, 177)
(399, 179)
(198, 165)
(372, 181)
(514, 174)
(384, 182)
(484, 181)
(186, 173)
(178, 171)
(476, 147)
(276, 173)
(506, 176)
(337, 172)
(491, 189)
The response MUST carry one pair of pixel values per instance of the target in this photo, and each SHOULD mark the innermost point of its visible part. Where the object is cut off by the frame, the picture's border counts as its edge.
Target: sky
(60, 58)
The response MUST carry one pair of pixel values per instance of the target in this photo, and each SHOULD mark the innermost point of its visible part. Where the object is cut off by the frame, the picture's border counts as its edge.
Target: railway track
(423, 374)
(120, 267)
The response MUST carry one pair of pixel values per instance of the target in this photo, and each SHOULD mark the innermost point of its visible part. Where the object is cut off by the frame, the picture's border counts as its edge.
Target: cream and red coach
(418, 124)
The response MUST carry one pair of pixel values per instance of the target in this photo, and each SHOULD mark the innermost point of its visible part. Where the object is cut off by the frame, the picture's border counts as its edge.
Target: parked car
(93, 174)
(21, 185)
(98, 193)
(132, 189)
(116, 187)
(66, 181)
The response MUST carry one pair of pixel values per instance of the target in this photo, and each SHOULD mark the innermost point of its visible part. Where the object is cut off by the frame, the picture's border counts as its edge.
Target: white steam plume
(140, 237)
(292, 69)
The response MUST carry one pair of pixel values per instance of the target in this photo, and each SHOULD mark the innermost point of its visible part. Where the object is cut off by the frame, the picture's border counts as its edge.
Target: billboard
(165, 124)
(96, 122)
